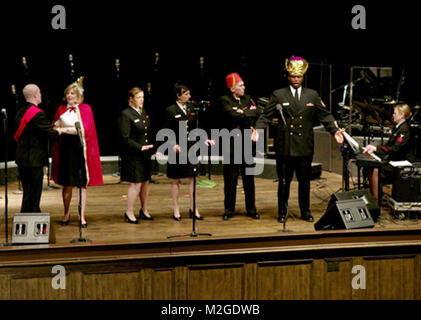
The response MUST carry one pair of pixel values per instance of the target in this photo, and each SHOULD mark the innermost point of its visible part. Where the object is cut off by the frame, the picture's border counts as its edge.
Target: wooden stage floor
(106, 205)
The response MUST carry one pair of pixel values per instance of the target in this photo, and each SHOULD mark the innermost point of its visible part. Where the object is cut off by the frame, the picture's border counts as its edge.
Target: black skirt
(71, 169)
(179, 171)
(136, 169)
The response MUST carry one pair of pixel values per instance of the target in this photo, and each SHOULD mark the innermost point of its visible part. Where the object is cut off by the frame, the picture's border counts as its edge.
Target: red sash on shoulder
(27, 117)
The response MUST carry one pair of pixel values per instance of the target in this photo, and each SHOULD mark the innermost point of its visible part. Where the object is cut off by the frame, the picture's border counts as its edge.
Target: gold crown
(79, 85)
(296, 65)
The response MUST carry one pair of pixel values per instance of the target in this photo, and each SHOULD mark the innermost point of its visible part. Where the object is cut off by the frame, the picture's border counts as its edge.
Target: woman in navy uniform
(181, 113)
(137, 146)
(398, 147)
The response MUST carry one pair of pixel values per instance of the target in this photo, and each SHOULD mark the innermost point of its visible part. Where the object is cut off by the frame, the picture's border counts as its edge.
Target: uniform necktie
(297, 99)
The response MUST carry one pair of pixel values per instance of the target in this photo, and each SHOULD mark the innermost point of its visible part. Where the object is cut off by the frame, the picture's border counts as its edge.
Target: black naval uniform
(294, 143)
(134, 130)
(232, 120)
(31, 157)
(398, 147)
(174, 116)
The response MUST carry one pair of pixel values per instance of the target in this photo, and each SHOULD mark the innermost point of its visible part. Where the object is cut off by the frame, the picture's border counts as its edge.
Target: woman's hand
(147, 147)
(210, 142)
(177, 148)
(369, 149)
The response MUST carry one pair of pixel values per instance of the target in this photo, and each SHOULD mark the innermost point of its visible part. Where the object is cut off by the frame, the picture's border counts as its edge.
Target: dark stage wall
(251, 38)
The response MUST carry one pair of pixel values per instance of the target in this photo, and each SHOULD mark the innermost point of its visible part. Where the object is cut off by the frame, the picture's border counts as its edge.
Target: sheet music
(355, 146)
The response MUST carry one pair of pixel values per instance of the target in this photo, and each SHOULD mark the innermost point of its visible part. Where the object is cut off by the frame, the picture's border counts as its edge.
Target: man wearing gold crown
(296, 109)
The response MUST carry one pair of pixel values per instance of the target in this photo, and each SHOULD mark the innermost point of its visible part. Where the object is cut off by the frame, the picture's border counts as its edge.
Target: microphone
(281, 111)
(79, 132)
(4, 113)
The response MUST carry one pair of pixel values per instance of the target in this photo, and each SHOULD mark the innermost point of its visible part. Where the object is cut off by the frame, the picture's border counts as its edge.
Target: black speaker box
(406, 185)
(372, 204)
(345, 213)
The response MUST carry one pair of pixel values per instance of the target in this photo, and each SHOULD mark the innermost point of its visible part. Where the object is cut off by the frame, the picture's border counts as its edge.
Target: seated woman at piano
(398, 147)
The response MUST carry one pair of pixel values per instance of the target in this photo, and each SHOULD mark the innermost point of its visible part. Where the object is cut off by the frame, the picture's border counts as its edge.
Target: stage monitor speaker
(345, 214)
(407, 184)
(372, 204)
(32, 228)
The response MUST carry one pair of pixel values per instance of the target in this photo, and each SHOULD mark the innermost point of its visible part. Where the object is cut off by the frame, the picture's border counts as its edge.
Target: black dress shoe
(227, 214)
(65, 223)
(306, 216)
(253, 215)
(282, 218)
(126, 217)
(143, 216)
(191, 215)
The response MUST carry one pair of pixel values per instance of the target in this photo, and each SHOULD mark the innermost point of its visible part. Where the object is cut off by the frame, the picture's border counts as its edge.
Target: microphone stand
(19, 190)
(117, 80)
(6, 199)
(79, 206)
(193, 233)
(198, 109)
(282, 179)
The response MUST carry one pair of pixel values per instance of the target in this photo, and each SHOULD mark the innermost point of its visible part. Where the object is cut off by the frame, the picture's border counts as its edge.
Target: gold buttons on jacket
(291, 133)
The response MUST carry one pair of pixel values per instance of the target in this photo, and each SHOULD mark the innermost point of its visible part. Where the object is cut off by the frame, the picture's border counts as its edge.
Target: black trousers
(285, 167)
(31, 178)
(231, 173)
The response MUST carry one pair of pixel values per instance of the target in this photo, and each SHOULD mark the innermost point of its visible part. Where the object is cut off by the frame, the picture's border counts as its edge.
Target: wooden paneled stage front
(243, 259)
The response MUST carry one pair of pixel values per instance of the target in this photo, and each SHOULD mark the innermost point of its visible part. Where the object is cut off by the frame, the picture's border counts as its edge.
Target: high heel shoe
(127, 219)
(176, 218)
(84, 225)
(143, 216)
(65, 223)
(191, 215)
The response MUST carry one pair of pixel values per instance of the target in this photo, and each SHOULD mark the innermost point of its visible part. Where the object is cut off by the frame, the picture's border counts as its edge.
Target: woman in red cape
(76, 157)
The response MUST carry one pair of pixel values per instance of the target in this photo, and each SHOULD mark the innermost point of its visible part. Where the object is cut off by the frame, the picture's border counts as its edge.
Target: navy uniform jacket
(399, 146)
(175, 116)
(135, 132)
(297, 138)
(233, 119)
(32, 148)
